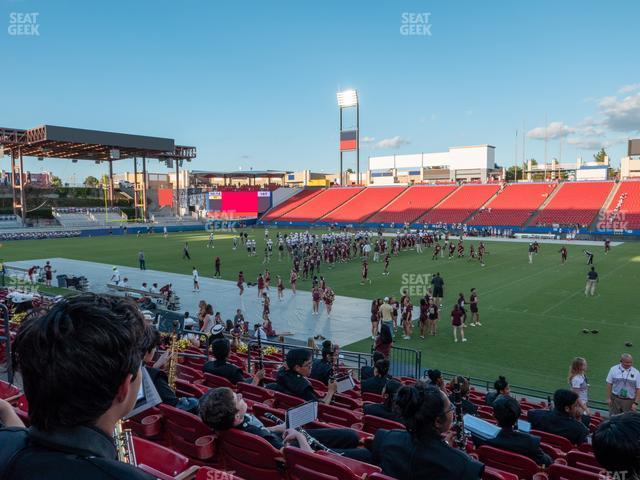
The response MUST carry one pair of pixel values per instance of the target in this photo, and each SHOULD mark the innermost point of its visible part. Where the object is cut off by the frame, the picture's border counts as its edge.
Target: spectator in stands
(73, 409)
(222, 409)
(501, 387)
(209, 320)
(322, 368)
(578, 382)
(467, 406)
(387, 409)
(434, 378)
(152, 340)
(420, 452)
(384, 341)
(188, 324)
(507, 411)
(563, 420)
(291, 379)
(377, 383)
(385, 313)
(623, 386)
(616, 445)
(221, 367)
(367, 370)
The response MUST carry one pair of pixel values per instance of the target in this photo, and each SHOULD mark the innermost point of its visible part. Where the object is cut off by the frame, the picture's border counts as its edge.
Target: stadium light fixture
(347, 98)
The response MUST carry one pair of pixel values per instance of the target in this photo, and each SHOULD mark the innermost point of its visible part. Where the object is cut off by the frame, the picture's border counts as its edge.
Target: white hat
(189, 322)
(217, 329)
(386, 299)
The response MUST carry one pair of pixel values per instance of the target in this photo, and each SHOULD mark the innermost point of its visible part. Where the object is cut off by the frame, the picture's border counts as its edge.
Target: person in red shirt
(365, 273)
(241, 282)
(384, 341)
(316, 296)
(436, 251)
(329, 297)
(292, 280)
(260, 285)
(456, 322)
(280, 287)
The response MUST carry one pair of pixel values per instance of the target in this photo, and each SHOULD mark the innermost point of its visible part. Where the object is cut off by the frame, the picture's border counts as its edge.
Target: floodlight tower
(349, 139)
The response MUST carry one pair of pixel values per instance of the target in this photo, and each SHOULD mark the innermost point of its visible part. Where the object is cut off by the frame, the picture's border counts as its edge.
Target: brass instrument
(173, 357)
(461, 434)
(123, 439)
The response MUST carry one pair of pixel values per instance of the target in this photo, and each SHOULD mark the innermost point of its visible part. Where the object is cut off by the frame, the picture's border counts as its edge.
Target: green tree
(56, 182)
(510, 173)
(90, 181)
(599, 157)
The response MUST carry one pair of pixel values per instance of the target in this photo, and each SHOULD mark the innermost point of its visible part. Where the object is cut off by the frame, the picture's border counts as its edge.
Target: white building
(459, 163)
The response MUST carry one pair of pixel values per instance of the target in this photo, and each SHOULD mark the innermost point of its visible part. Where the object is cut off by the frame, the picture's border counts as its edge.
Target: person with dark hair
(468, 407)
(507, 411)
(367, 371)
(616, 444)
(434, 378)
(384, 340)
(151, 342)
(80, 365)
(422, 451)
(322, 368)
(219, 366)
(377, 383)
(501, 387)
(563, 420)
(222, 409)
(387, 409)
(291, 379)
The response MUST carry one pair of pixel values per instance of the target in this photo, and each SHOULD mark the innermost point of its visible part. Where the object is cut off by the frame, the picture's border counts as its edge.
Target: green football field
(533, 315)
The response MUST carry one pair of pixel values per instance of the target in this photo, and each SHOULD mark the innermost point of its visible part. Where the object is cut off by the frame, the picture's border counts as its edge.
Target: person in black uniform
(616, 444)
(501, 387)
(563, 420)
(221, 348)
(159, 378)
(377, 383)
(421, 452)
(507, 411)
(80, 365)
(322, 368)
(367, 371)
(468, 407)
(387, 409)
(222, 409)
(292, 380)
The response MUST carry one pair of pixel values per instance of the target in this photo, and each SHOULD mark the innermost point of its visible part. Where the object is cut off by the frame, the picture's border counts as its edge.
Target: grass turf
(532, 315)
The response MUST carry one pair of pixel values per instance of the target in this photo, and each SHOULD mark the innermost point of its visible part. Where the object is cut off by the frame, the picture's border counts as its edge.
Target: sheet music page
(301, 415)
(345, 384)
(479, 427)
(147, 395)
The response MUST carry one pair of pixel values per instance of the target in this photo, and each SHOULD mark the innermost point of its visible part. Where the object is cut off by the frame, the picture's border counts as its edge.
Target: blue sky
(252, 83)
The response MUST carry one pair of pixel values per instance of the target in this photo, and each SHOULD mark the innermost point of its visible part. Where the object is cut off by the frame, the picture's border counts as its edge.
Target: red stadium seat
(188, 374)
(555, 440)
(624, 210)
(161, 462)
(371, 424)
(337, 415)
(517, 464)
(216, 381)
(359, 208)
(186, 434)
(256, 393)
(565, 472)
(346, 401)
(320, 204)
(147, 424)
(411, 204)
(460, 204)
(381, 476)
(9, 392)
(208, 473)
(495, 474)
(284, 401)
(259, 410)
(293, 202)
(186, 389)
(583, 461)
(372, 397)
(251, 456)
(302, 465)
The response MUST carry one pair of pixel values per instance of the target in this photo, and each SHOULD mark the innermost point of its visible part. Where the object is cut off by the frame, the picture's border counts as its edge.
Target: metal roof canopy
(240, 173)
(50, 141)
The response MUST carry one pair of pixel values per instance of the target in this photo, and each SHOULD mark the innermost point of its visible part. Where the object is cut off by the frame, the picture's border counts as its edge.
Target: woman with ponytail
(424, 450)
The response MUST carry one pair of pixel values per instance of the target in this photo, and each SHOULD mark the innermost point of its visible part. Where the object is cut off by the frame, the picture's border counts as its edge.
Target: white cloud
(621, 115)
(629, 88)
(585, 143)
(367, 140)
(552, 131)
(393, 142)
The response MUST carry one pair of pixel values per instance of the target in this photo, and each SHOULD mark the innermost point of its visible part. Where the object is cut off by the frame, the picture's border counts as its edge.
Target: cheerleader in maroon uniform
(266, 303)
(436, 251)
(472, 252)
(241, 282)
(267, 279)
(424, 316)
(260, 285)
(365, 273)
(452, 249)
(292, 280)
(407, 317)
(280, 288)
(316, 296)
(387, 259)
(460, 249)
(481, 253)
(323, 283)
(329, 297)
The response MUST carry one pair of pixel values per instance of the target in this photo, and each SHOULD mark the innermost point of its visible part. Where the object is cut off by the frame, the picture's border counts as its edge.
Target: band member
(481, 251)
(240, 283)
(473, 306)
(433, 317)
(210, 242)
(472, 252)
(280, 287)
(387, 259)
(365, 273)
(563, 255)
(73, 409)
(457, 323)
(293, 278)
(48, 273)
(329, 297)
(436, 251)
(452, 249)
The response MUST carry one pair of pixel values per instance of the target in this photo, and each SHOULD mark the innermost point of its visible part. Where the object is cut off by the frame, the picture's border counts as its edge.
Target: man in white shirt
(115, 276)
(196, 280)
(623, 386)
